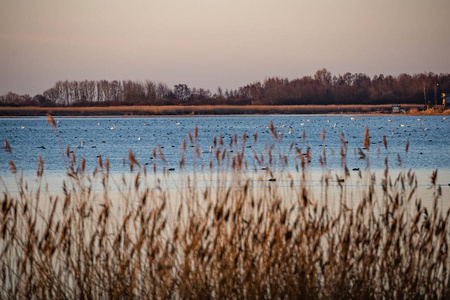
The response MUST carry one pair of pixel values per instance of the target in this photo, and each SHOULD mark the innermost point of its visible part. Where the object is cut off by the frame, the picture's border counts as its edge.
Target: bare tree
(163, 91)
(150, 90)
(182, 92)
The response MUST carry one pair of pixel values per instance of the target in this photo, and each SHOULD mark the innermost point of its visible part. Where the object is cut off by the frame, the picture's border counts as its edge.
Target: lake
(113, 137)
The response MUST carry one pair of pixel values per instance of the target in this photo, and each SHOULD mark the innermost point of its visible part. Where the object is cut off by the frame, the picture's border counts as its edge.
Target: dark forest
(321, 89)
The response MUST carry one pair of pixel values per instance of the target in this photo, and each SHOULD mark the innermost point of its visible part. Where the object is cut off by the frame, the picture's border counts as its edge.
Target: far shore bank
(213, 110)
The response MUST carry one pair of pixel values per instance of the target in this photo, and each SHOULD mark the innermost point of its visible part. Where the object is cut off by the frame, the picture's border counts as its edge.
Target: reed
(239, 236)
(211, 110)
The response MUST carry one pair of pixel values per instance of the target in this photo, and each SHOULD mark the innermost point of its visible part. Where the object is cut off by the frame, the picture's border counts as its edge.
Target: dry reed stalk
(367, 138)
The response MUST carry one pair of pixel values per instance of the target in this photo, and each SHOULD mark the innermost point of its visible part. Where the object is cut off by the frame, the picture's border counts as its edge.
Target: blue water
(113, 137)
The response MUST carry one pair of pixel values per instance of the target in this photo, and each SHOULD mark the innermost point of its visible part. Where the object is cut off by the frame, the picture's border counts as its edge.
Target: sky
(212, 43)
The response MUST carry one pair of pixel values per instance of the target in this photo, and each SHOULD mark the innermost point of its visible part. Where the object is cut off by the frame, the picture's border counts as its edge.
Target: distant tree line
(322, 88)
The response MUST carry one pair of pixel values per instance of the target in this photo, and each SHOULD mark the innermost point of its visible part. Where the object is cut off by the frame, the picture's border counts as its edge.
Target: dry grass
(202, 110)
(251, 239)
(436, 111)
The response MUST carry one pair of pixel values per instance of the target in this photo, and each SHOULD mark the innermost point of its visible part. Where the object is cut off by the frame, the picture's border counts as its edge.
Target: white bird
(114, 127)
(210, 150)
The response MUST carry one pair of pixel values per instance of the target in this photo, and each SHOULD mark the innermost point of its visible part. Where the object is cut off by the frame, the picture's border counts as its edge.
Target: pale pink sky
(211, 43)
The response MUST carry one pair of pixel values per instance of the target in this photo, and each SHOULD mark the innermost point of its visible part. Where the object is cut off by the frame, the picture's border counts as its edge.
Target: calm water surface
(113, 137)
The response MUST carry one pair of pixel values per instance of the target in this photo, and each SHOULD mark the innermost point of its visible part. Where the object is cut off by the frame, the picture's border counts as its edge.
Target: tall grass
(206, 109)
(241, 235)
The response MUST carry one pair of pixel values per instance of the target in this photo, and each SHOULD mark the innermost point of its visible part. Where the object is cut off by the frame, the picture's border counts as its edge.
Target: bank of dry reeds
(240, 237)
(203, 110)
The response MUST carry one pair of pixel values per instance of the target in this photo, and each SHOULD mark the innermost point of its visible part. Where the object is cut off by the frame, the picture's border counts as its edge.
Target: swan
(210, 150)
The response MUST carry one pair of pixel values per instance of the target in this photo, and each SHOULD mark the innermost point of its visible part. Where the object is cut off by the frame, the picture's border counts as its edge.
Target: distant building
(446, 100)
(396, 108)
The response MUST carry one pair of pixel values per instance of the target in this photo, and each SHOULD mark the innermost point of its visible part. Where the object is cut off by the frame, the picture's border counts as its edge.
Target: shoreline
(213, 110)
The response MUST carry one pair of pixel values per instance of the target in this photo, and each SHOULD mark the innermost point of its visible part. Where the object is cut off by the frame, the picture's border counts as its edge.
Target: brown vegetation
(201, 110)
(239, 237)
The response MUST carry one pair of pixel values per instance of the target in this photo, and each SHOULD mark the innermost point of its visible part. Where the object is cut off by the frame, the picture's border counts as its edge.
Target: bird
(210, 150)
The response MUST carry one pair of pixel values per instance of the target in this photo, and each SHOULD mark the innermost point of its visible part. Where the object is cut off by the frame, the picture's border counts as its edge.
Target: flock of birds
(227, 130)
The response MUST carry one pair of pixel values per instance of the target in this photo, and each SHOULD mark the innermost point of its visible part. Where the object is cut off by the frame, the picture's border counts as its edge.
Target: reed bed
(203, 109)
(272, 236)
